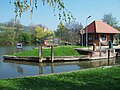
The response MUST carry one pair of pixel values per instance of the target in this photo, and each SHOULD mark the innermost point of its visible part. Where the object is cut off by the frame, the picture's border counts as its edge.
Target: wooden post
(52, 54)
(40, 54)
(108, 57)
(100, 49)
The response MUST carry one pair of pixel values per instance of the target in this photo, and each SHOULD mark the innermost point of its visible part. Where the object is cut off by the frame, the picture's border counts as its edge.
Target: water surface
(12, 69)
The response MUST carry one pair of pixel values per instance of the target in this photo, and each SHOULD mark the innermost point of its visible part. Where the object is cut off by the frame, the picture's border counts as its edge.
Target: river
(13, 69)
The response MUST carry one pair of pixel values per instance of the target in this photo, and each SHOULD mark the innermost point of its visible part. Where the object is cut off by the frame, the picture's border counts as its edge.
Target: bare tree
(110, 20)
(69, 32)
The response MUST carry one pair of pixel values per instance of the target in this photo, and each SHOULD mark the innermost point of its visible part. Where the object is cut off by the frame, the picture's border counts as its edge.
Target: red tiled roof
(101, 27)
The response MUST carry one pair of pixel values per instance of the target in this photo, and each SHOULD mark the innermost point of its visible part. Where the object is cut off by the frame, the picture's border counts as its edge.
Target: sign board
(19, 45)
(45, 42)
(41, 42)
(55, 40)
(82, 31)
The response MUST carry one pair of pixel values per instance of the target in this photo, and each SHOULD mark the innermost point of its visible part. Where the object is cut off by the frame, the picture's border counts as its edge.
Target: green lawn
(93, 79)
(58, 51)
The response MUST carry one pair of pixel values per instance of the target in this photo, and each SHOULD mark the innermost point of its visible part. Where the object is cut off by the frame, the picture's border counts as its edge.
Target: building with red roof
(99, 31)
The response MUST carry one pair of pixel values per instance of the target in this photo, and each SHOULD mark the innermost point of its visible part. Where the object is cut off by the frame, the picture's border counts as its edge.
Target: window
(103, 36)
(96, 37)
(90, 37)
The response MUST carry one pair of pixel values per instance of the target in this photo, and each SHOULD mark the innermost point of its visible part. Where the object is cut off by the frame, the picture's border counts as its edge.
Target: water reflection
(28, 68)
(117, 61)
(19, 69)
(10, 69)
(12, 49)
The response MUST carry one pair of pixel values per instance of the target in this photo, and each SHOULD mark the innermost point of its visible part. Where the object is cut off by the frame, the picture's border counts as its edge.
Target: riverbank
(107, 78)
(61, 53)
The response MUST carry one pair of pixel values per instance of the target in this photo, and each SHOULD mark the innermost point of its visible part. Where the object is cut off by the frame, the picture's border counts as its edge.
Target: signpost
(55, 40)
(41, 42)
(19, 45)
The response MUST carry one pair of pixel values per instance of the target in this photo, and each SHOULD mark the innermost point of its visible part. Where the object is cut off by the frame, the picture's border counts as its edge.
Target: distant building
(99, 31)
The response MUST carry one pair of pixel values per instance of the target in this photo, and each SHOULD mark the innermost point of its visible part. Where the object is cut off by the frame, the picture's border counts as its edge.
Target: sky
(80, 9)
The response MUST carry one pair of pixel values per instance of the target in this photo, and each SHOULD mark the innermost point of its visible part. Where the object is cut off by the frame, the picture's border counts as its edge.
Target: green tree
(60, 30)
(48, 33)
(110, 20)
(39, 32)
(42, 33)
(31, 30)
(25, 37)
(7, 37)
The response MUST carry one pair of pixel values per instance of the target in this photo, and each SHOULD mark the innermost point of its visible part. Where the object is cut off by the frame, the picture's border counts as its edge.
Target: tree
(16, 26)
(25, 37)
(69, 32)
(39, 32)
(110, 20)
(60, 31)
(48, 33)
(29, 5)
(10, 32)
(74, 28)
(42, 33)
(7, 37)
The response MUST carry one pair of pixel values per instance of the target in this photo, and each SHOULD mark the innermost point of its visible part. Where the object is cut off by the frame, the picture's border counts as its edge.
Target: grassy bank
(94, 79)
(58, 51)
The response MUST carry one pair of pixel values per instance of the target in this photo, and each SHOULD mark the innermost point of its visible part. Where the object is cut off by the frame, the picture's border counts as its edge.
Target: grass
(58, 51)
(93, 79)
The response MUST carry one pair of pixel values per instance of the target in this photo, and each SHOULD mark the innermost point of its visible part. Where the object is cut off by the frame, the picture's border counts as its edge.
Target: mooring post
(100, 49)
(40, 54)
(52, 53)
(108, 57)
